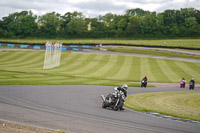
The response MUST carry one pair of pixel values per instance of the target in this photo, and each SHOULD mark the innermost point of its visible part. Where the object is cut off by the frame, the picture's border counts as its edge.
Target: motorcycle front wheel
(104, 105)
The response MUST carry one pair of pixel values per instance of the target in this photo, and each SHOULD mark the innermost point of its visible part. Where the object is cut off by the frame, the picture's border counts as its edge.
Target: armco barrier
(75, 49)
(24, 46)
(85, 46)
(36, 46)
(73, 45)
(11, 45)
(64, 48)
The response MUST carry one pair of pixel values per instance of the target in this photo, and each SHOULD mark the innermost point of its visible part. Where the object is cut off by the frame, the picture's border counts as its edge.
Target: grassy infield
(25, 68)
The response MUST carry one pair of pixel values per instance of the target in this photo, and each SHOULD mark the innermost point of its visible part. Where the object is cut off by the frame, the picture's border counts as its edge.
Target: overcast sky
(92, 8)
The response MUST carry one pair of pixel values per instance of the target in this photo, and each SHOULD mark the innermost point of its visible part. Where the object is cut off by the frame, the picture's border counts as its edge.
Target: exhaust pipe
(103, 98)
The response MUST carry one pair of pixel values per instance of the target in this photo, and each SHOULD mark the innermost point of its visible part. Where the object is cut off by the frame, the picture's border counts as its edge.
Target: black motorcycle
(144, 83)
(114, 102)
(191, 86)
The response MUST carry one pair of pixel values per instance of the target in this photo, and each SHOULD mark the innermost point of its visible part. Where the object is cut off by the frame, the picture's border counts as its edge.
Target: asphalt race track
(77, 109)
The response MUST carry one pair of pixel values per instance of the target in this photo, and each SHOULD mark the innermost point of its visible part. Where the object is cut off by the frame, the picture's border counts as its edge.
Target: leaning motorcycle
(114, 102)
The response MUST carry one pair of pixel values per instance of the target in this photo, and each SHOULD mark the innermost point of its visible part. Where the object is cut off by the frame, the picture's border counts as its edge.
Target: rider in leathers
(124, 89)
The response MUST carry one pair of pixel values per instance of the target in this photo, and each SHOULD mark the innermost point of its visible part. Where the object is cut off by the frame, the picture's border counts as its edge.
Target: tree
(20, 24)
(133, 26)
(97, 28)
(192, 27)
(77, 27)
(49, 24)
(67, 17)
(137, 12)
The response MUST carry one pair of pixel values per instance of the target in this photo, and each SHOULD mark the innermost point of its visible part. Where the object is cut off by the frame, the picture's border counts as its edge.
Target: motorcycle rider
(183, 81)
(145, 78)
(192, 82)
(145, 81)
(124, 89)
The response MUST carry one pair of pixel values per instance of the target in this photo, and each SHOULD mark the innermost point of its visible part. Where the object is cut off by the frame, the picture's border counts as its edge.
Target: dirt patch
(9, 127)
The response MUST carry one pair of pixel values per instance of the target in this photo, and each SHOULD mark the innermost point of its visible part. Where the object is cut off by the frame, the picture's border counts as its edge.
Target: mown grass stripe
(157, 71)
(104, 63)
(134, 71)
(191, 72)
(146, 70)
(78, 64)
(92, 66)
(67, 59)
(181, 70)
(28, 59)
(25, 57)
(102, 72)
(87, 68)
(124, 70)
(12, 56)
(89, 63)
(166, 69)
(4, 54)
(98, 66)
(69, 63)
(115, 68)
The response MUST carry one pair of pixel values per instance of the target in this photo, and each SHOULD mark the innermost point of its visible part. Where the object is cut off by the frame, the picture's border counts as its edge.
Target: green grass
(26, 68)
(153, 52)
(186, 43)
(184, 104)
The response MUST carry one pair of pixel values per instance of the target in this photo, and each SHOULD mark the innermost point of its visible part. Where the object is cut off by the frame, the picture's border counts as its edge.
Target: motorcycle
(114, 102)
(144, 83)
(191, 86)
(182, 84)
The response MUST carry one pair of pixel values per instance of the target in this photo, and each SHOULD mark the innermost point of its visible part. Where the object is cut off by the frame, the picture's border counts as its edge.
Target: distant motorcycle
(191, 85)
(114, 102)
(144, 83)
(182, 84)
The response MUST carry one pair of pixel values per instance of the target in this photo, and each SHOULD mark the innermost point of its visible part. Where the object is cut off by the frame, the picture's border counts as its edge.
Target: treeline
(135, 23)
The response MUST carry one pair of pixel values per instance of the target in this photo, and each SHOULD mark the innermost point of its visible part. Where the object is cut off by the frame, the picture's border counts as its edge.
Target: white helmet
(125, 86)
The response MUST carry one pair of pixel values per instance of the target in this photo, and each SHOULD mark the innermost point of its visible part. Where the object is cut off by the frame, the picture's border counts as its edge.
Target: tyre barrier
(86, 48)
(37, 47)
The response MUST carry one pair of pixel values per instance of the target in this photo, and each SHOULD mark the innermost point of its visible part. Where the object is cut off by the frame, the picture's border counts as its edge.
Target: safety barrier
(75, 49)
(73, 46)
(24, 46)
(11, 45)
(36, 47)
(86, 47)
(64, 48)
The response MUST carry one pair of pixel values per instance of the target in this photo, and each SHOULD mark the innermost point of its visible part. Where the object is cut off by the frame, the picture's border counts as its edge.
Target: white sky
(92, 8)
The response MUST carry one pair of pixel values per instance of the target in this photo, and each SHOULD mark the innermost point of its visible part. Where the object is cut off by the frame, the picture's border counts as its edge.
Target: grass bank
(153, 52)
(184, 43)
(184, 104)
(26, 68)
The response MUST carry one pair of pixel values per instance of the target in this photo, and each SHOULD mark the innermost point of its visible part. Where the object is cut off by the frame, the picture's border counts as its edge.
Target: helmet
(125, 86)
(192, 78)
